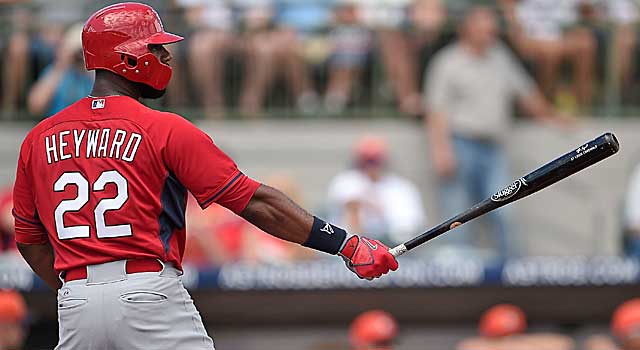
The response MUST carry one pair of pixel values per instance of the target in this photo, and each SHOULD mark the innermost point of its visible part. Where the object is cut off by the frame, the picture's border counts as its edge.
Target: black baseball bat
(576, 160)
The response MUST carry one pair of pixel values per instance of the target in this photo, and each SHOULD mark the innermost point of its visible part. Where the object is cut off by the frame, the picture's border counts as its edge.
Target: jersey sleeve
(207, 172)
(28, 228)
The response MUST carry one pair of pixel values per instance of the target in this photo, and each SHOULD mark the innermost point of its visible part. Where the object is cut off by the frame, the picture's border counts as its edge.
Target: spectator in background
(38, 27)
(470, 88)
(29, 49)
(64, 81)
(203, 248)
(546, 32)
(260, 247)
(502, 327)
(408, 32)
(631, 242)
(375, 329)
(388, 20)
(7, 240)
(351, 43)
(217, 236)
(612, 23)
(429, 32)
(623, 16)
(210, 43)
(13, 314)
(369, 198)
(625, 328)
(273, 36)
(16, 60)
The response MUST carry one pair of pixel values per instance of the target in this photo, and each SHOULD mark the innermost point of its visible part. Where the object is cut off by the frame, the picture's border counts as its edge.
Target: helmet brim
(163, 38)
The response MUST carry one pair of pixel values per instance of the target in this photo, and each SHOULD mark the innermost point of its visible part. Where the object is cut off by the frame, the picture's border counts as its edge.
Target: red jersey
(107, 178)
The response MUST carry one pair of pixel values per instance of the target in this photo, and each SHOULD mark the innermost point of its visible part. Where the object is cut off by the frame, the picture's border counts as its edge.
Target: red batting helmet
(625, 322)
(12, 307)
(117, 39)
(502, 320)
(375, 327)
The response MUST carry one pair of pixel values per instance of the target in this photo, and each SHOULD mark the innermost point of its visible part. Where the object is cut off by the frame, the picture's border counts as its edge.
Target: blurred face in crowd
(346, 14)
(480, 28)
(370, 156)
(373, 167)
(428, 15)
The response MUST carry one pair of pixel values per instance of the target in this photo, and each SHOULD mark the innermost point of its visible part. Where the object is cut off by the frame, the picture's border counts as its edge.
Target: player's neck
(109, 84)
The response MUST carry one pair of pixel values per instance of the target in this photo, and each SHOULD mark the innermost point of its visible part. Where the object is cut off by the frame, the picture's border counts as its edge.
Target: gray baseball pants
(115, 310)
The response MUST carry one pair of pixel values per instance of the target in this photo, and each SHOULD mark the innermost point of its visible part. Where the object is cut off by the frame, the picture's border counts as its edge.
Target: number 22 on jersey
(106, 204)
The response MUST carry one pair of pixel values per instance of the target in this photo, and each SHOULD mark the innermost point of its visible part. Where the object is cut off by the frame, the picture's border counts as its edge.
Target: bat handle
(398, 250)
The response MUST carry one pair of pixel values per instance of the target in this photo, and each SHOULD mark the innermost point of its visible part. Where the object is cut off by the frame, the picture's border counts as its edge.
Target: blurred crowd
(505, 327)
(466, 69)
(500, 327)
(322, 57)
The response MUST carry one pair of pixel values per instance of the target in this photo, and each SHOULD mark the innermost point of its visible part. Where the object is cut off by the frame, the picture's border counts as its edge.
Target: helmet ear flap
(129, 61)
(146, 69)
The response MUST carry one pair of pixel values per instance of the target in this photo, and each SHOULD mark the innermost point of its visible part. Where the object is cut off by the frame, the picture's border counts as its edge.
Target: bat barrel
(568, 164)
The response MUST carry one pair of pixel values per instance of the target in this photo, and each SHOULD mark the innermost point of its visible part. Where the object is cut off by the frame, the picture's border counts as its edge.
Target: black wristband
(325, 237)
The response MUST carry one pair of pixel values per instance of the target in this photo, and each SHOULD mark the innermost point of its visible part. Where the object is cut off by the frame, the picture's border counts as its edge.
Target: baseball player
(101, 190)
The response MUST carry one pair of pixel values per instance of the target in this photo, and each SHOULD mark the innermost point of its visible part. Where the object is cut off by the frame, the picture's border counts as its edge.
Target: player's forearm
(40, 258)
(274, 213)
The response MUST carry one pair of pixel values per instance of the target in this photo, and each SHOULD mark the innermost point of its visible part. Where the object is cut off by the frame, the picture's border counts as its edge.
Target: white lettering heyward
(92, 143)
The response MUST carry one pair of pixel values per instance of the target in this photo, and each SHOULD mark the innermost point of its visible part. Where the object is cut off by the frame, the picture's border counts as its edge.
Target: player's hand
(367, 258)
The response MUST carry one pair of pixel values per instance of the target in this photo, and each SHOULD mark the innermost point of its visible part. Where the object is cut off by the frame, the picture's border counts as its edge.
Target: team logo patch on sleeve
(98, 103)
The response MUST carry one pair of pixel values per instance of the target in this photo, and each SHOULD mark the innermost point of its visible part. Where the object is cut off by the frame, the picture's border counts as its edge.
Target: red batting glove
(367, 258)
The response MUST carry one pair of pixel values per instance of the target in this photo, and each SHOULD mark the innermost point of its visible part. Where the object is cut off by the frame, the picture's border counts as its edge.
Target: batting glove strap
(349, 246)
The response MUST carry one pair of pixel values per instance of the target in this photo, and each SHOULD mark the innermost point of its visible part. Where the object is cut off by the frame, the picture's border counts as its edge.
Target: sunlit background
(385, 117)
